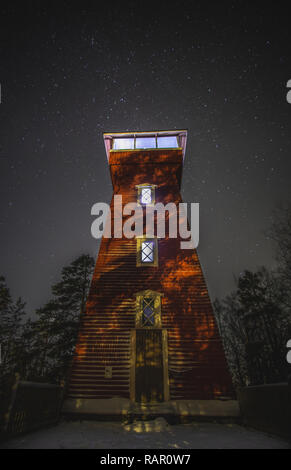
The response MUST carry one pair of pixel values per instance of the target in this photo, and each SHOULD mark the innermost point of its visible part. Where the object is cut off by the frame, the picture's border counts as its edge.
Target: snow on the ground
(156, 434)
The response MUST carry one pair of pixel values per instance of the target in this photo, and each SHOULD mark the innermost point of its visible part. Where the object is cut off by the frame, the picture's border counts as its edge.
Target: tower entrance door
(149, 378)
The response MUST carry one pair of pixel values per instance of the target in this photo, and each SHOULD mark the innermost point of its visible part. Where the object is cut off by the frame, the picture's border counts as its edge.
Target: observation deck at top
(149, 140)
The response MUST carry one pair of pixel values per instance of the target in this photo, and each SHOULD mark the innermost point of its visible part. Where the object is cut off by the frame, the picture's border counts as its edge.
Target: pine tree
(55, 331)
(11, 328)
(253, 324)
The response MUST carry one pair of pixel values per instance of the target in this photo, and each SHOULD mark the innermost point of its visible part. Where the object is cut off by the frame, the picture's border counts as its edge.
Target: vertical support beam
(165, 366)
(132, 364)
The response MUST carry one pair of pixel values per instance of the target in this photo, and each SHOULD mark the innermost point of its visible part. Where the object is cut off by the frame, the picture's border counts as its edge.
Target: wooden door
(149, 374)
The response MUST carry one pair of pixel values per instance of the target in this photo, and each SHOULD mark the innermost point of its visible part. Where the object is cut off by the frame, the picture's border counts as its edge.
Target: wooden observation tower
(149, 332)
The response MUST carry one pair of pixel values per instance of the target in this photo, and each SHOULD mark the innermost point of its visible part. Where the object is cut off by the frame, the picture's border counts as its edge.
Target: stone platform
(121, 409)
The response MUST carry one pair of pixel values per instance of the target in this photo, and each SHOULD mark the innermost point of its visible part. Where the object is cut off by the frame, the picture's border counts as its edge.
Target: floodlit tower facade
(149, 332)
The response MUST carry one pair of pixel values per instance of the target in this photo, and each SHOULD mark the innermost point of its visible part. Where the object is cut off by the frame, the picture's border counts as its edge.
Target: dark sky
(69, 73)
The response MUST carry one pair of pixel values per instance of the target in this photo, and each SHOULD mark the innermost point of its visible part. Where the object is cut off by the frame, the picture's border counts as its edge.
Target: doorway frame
(165, 363)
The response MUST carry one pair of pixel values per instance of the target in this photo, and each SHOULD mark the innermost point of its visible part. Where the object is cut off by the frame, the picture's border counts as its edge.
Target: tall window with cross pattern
(146, 194)
(146, 251)
(148, 309)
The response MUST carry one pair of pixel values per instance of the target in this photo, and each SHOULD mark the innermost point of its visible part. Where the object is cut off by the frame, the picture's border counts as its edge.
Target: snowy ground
(155, 434)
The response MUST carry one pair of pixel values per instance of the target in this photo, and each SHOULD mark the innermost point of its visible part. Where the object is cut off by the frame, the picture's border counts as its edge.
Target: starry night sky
(69, 74)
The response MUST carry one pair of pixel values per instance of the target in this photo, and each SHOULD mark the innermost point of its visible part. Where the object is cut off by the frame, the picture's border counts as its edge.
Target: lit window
(132, 143)
(123, 144)
(147, 252)
(167, 142)
(148, 309)
(146, 196)
(145, 143)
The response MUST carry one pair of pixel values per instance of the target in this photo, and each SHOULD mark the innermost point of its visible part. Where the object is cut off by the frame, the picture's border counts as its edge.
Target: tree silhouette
(254, 324)
(11, 327)
(55, 330)
(41, 349)
(280, 233)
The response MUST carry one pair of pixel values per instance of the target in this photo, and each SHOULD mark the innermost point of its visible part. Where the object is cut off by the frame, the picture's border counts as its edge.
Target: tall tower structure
(149, 332)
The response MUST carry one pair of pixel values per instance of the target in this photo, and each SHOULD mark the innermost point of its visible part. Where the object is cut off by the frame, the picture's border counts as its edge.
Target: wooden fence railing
(31, 406)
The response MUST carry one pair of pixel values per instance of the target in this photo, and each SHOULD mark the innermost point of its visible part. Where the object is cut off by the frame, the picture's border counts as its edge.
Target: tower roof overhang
(110, 136)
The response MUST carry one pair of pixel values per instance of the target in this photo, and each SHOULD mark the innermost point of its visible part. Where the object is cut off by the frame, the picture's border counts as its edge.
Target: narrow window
(148, 309)
(145, 143)
(146, 251)
(146, 194)
(123, 144)
(168, 142)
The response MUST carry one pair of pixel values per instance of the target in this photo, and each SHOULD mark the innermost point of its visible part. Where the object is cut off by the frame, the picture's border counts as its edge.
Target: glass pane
(123, 144)
(148, 311)
(167, 142)
(148, 321)
(146, 196)
(147, 252)
(145, 143)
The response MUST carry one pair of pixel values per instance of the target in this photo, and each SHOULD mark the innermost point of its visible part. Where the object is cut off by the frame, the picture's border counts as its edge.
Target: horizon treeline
(42, 349)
